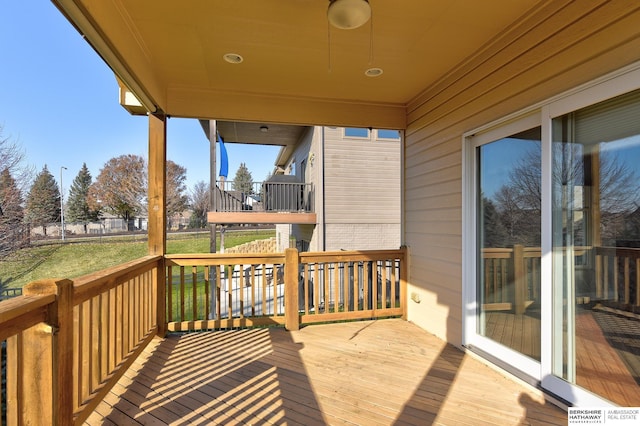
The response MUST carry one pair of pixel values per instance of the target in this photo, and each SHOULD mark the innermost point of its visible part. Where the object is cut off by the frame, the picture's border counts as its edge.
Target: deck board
(599, 367)
(386, 372)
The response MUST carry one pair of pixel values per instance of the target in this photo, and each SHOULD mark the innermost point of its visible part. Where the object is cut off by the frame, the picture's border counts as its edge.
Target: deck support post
(157, 184)
(291, 272)
(157, 229)
(46, 358)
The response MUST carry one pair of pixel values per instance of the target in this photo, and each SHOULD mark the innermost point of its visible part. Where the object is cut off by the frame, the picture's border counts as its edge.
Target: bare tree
(177, 200)
(121, 187)
(12, 158)
(200, 204)
(15, 177)
(619, 190)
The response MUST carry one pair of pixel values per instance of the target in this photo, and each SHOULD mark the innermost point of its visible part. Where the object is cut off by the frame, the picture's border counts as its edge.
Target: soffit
(296, 68)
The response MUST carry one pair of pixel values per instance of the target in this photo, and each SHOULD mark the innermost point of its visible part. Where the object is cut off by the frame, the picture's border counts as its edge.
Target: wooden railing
(68, 342)
(617, 271)
(207, 291)
(266, 196)
(512, 276)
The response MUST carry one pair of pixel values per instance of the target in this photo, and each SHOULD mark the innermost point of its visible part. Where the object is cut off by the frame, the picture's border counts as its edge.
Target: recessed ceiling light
(373, 72)
(233, 58)
(264, 129)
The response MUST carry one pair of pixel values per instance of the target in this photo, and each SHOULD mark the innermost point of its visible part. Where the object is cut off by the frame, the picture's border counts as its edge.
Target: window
(356, 132)
(389, 134)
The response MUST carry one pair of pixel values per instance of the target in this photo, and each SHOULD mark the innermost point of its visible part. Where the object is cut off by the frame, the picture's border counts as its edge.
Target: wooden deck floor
(600, 368)
(386, 372)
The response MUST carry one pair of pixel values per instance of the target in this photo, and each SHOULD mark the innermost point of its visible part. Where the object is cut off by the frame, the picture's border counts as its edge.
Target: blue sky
(59, 103)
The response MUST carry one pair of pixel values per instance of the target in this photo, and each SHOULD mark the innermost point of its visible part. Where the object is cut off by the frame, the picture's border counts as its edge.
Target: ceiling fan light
(348, 14)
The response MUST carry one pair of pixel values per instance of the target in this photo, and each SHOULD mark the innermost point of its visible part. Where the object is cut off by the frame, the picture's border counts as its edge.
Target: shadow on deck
(386, 372)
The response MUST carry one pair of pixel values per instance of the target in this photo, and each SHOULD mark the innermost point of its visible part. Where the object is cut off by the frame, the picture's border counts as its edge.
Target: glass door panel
(508, 242)
(596, 249)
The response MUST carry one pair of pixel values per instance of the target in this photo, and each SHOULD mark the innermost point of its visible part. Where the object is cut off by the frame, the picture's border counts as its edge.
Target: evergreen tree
(43, 201)
(78, 209)
(243, 180)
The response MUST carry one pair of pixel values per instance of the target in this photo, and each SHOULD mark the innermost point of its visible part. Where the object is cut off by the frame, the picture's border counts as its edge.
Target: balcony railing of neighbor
(66, 343)
(264, 197)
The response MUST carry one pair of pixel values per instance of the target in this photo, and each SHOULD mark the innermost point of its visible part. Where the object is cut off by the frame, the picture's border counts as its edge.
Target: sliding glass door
(596, 248)
(507, 244)
(552, 244)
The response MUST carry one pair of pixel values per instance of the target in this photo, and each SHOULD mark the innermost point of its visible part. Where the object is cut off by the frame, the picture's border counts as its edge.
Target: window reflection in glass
(596, 248)
(508, 252)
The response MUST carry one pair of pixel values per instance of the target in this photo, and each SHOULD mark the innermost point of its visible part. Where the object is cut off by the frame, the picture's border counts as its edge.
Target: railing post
(47, 358)
(159, 277)
(291, 272)
(404, 279)
(519, 279)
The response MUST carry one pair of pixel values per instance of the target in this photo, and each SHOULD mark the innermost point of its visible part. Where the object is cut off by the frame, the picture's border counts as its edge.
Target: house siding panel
(353, 236)
(362, 184)
(560, 46)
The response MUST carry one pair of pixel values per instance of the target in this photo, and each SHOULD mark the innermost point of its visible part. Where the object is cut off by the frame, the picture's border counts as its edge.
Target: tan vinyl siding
(560, 46)
(362, 179)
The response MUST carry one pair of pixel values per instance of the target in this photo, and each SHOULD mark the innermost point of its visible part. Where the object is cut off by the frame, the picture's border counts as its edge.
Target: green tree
(120, 188)
(243, 180)
(43, 201)
(78, 209)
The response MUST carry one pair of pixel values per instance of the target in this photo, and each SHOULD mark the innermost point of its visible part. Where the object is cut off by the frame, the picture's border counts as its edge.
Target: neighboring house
(356, 177)
(346, 181)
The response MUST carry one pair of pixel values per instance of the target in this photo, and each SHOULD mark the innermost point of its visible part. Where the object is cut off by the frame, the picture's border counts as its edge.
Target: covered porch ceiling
(261, 133)
(296, 68)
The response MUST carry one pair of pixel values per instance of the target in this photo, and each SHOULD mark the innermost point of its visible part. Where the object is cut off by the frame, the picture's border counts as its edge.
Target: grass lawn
(73, 259)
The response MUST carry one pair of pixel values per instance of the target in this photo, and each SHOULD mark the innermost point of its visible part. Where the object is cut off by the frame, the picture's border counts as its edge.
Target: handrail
(268, 196)
(207, 291)
(72, 340)
(91, 285)
(616, 272)
(23, 312)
